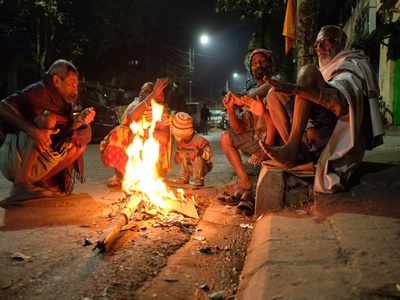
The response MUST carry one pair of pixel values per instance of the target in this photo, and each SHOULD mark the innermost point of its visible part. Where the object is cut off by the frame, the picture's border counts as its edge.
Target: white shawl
(360, 129)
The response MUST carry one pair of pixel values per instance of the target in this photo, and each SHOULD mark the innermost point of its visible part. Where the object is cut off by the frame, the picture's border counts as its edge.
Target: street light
(204, 39)
(236, 78)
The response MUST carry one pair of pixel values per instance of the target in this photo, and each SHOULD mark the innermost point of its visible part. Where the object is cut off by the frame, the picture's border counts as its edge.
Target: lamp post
(204, 40)
(236, 77)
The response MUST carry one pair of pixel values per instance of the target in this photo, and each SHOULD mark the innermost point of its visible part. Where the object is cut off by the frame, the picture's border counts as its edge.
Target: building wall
(386, 76)
(363, 21)
(388, 81)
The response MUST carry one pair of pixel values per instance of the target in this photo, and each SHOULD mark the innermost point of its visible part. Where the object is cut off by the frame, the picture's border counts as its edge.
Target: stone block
(270, 190)
(297, 191)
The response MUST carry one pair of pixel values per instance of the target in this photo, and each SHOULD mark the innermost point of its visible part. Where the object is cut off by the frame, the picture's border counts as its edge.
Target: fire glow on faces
(330, 41)
(325, 50)
(261, 65)
(67, 87)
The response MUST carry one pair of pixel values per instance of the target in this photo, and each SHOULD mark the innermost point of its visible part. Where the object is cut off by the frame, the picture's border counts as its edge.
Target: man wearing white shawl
(344, 85)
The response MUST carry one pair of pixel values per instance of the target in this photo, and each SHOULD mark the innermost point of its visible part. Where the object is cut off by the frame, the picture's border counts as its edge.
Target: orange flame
(141, 173)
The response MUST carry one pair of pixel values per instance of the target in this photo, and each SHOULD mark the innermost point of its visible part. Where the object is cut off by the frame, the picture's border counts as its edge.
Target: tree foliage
(257, 9)
(106, 39)
(40, 19)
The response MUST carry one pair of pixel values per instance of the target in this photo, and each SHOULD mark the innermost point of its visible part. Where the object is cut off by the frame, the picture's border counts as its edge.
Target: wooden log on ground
(113, 234)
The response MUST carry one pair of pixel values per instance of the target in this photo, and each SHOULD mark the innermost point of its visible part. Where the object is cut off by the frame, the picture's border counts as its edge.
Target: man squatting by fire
(335, 117)
(114, 145)
(45, 139)
(193, 152)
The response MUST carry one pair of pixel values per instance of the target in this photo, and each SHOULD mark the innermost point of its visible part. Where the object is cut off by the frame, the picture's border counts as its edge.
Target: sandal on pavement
(246, 207)
(197, 182)
(181, 180)
(230, 199)
(246, 204)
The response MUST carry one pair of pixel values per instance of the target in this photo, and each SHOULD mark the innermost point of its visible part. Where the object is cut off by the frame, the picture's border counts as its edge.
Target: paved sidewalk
(349, 256)
(348, 248)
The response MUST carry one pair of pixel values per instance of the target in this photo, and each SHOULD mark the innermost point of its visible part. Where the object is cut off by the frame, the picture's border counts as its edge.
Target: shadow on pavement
(374, 191)
(76, 209)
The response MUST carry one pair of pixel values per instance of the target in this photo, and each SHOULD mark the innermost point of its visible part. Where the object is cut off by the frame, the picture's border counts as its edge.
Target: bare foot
(257, 158)
(286, 155)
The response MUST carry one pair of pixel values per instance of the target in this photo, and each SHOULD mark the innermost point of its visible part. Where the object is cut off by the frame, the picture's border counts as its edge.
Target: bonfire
(142, 183)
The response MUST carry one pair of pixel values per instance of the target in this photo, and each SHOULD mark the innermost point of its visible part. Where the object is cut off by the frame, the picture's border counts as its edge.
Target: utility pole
(191, 71)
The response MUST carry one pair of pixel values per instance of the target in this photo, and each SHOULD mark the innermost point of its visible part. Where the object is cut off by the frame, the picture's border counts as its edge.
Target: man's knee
(310, 77)
(225, 140)
(276, 100)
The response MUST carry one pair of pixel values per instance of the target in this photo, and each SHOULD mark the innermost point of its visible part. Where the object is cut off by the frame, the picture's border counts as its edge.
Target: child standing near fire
(193, 152)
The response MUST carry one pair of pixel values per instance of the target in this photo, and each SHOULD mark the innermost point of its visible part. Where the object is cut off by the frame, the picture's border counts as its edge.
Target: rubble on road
(20, 256)
(217, 295)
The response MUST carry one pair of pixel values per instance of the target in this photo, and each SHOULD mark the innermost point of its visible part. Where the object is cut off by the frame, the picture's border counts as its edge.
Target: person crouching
(193, 152)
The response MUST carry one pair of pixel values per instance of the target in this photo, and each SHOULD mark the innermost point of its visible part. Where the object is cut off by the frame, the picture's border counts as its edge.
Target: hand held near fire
(158, 93)
(85, 117)
(255, 106)
(228, 101)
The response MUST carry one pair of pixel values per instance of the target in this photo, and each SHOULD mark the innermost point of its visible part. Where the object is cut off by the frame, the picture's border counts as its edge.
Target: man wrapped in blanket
(343, 85)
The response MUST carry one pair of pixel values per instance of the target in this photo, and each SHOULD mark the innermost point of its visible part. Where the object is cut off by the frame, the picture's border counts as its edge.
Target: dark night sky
(166, 30)
(229, 38)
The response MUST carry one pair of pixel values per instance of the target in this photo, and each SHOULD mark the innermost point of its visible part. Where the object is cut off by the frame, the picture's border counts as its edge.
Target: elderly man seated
(335, 117)
(248, 119)
(45, 139)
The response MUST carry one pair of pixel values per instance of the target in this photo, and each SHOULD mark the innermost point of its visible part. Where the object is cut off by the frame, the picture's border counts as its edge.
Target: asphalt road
(46, 244)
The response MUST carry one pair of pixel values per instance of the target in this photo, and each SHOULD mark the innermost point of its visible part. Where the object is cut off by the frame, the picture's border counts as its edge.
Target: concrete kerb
(252, 278)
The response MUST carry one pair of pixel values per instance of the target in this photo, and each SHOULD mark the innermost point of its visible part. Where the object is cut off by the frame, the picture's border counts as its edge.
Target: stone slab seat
(278, 186)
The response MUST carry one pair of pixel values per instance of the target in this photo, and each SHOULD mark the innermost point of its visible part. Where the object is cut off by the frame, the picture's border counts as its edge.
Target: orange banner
(289, 27)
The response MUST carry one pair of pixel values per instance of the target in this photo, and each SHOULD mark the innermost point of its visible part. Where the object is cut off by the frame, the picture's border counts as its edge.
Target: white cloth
(360, 129)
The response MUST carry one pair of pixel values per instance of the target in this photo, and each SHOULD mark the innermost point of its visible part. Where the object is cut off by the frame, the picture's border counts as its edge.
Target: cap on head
(268, 54)
(61, 67)
(335, 34)
(182, 125)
